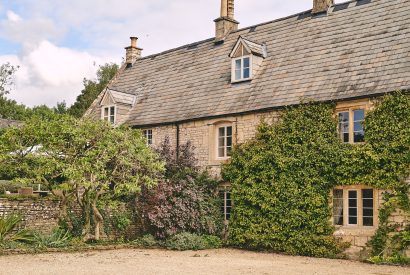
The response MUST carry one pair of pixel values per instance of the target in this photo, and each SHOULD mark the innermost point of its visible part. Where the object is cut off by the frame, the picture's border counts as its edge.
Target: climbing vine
(282, 180)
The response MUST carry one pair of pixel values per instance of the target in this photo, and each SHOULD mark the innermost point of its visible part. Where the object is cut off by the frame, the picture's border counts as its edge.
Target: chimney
(226, 22)
(132, 52)
(320, 6)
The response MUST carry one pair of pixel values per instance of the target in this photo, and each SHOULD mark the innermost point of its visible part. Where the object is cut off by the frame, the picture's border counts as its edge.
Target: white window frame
(233, 72)
(360, 208)
(225, 156)
(107, 118)
(147, 133)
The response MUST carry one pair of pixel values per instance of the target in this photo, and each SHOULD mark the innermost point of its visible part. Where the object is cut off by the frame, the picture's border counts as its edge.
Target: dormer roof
(251, 47)
(112, 97)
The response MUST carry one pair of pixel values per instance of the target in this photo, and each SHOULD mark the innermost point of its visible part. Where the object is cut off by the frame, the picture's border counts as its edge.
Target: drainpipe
(177, 138)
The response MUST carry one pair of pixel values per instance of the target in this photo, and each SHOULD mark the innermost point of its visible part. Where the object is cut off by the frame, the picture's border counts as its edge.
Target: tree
(7, 72)
(83, 158)
(92, 89)
(184, 201)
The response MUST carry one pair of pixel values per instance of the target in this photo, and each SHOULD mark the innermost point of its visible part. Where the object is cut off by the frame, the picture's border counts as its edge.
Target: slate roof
(359, 49)
(4, 123)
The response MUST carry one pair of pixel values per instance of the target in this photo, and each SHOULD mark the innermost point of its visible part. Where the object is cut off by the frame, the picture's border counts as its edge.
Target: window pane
(229, 141)
(338, 207)
(358, 115)
(237, 74)
(368, 211)
(352, 220)
(229, 130)
(367, 221)
(344, 126)
(246, 62)
(221, 132)
(352, 213)
(238, 64)
(359, 137)
(246, 73)
(221, 142)
(345, 137)
(228, 151)
(221, 152)
(358, 118)
(112, 119)
(106, 112)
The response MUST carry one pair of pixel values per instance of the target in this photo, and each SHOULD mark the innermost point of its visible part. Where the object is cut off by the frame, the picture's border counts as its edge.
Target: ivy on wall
(282, 180)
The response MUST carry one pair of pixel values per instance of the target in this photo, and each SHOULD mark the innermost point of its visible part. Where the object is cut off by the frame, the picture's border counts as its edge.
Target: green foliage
(281, 183)
(83, 155)
(188, 241)
(9, 231)
(282, 180)
(92, 89)
(121, 221)
(57, 239)
(146, 241)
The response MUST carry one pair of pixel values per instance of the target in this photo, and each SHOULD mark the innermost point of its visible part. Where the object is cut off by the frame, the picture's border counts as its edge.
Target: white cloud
(13, 17)
(50, 74)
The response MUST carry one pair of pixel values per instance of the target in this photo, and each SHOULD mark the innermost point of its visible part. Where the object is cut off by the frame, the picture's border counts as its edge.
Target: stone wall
(38, 214)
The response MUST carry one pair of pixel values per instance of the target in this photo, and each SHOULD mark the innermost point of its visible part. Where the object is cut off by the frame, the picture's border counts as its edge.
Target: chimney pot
(321, 5)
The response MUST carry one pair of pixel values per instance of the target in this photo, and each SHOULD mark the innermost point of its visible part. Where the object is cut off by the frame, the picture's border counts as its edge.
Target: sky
(58, 43)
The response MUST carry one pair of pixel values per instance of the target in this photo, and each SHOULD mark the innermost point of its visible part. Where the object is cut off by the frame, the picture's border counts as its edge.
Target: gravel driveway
(223, 261)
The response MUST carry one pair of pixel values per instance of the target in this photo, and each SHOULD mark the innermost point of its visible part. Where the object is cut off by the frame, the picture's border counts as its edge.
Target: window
(226, 203)
(242, 68)
(351, 128)
(224, 141)
(359, 206)
(148, 136)
(109, 114)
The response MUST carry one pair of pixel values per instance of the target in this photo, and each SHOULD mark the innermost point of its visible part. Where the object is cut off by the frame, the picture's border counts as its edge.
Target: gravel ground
(223, 261)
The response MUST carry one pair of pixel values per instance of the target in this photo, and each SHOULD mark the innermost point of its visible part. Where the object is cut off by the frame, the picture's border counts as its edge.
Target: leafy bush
(188, 241)
(58, 238)
(120, 221)
(212, 242)
(9, 231)
(185, 241)
(146, 241)
(185, 201)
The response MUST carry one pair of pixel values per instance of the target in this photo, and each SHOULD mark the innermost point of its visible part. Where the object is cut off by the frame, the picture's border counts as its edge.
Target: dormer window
(246, 57)
(109, 114)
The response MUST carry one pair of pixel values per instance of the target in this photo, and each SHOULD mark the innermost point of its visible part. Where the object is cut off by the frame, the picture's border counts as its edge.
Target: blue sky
(57, 43)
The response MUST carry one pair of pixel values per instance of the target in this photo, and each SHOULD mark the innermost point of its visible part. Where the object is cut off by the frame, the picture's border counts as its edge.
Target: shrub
(146, 241)
(185, 241)
(212, 242)
(185, 201)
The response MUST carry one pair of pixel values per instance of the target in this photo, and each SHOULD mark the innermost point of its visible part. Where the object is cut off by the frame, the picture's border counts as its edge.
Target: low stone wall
(38, 214)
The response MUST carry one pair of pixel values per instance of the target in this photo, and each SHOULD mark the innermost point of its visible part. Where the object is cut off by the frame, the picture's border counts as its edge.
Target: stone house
(215, 92)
